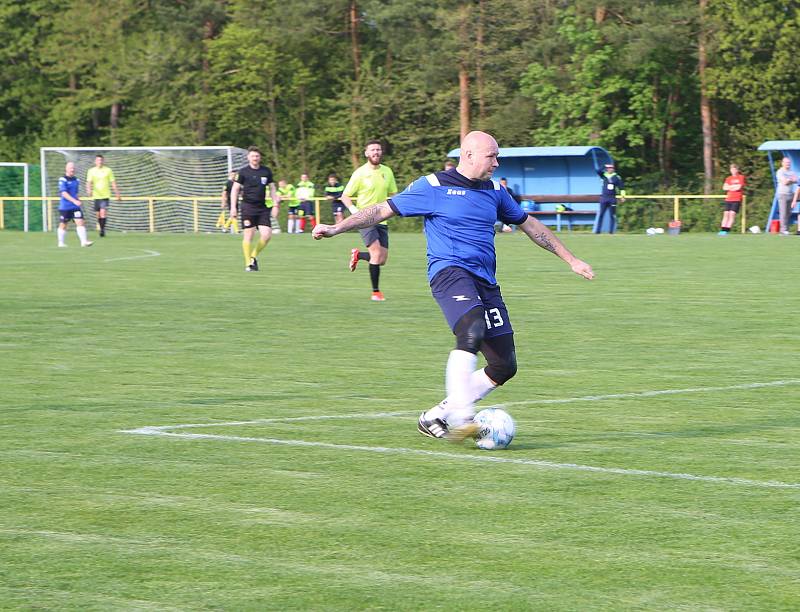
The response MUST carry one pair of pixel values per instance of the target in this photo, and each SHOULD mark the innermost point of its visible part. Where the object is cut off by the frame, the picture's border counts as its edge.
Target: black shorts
(337, 206)
(307, 208)
(101, 204)
(458, 291)
(293, 210)
(255, 216)
(65, 216)
(373, 233)
(734, 206)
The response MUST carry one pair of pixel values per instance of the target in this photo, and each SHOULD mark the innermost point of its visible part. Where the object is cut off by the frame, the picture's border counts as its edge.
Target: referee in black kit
(252, 182)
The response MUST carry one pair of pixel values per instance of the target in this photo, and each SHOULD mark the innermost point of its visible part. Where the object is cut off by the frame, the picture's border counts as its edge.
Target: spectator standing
(516, 198)
(69, 207)
(304, 191)
(286, 195)
(333, 193)
(612, 187)
(99, 182)
(787, 183)
(734, 191)
(792, 205)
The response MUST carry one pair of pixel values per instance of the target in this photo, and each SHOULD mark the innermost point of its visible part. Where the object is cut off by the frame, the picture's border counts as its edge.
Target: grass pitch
(655, 465)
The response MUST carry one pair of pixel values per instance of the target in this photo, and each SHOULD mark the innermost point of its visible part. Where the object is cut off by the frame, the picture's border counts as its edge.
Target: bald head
(478, 156)
(69, 169)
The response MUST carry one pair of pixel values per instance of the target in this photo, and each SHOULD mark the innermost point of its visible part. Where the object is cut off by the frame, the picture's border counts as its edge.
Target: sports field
(177, 434)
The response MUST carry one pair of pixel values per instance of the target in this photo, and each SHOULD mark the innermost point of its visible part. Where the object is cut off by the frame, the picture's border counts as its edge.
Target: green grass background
(95, 519)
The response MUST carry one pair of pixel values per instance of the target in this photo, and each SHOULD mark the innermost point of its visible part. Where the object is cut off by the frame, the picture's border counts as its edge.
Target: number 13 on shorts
(494, 318)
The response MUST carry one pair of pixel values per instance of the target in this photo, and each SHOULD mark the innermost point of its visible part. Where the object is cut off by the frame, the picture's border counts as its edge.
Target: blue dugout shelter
(546, 177)
(785, 148)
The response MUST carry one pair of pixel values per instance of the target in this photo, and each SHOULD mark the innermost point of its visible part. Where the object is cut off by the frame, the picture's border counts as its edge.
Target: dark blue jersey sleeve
(418, 199)
(509, 211)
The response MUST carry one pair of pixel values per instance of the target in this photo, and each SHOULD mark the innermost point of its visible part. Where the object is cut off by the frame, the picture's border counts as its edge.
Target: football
(496, 429)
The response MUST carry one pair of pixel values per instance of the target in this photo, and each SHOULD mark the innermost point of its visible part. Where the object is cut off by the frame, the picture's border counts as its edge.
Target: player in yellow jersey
(99, 181)
(371, 184)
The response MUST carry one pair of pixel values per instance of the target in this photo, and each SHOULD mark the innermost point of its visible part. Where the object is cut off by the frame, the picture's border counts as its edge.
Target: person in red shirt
(734, 190)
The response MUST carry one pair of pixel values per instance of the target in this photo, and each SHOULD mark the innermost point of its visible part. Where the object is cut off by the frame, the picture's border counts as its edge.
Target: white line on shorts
(149, 254)
(159, 431)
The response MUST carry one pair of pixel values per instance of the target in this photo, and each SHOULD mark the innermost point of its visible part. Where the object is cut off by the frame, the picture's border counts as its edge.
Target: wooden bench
(559, 215)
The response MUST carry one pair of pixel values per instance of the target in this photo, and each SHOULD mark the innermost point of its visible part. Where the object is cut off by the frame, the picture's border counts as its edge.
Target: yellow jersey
(371, 186)
(100, 179)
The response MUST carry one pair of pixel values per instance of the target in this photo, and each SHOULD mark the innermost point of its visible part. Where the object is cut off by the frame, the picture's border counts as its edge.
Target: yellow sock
(259, 247)
(246, 251)
(221, 220)
(234, 224)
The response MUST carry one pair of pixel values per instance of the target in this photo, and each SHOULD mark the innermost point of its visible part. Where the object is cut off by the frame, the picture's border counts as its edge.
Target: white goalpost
(25, 187)
(164, 189)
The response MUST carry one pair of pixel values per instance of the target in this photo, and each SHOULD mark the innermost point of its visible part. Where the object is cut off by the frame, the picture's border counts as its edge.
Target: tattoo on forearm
(363, 218)
(544, 241)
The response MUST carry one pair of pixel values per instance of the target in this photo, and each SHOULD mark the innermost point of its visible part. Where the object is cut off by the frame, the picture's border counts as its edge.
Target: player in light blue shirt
(69, 207)
(460, 207)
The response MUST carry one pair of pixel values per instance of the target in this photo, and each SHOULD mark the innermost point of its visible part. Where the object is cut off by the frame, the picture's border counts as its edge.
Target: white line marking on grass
(149, 254)
(318, 417)
(159, 431)
(596, 398)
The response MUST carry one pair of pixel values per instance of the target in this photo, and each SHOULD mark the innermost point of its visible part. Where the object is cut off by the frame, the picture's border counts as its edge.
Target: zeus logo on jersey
(461, 298)
(456, 192)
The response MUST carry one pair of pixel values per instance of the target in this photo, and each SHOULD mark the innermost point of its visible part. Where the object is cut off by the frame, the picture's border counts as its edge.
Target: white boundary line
(166, 431)
(149, 254)
(595, 398)
(160, 431)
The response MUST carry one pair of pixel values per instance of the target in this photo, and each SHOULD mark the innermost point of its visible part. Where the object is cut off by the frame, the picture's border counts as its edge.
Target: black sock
(374, 274)
(363, 255)
(102, 222)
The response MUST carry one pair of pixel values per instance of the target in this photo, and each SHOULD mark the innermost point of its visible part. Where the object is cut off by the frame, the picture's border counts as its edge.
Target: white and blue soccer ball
(497, 429)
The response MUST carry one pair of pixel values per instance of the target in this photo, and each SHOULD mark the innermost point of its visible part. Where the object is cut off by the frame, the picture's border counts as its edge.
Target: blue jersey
(71, 186)
(459, 219)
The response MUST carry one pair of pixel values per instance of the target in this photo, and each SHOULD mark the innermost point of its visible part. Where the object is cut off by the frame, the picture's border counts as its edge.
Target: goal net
(163, 189)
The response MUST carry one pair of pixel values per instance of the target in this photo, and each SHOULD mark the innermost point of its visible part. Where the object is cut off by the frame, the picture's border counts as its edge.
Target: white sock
(459, 408)
(81, 229)
(62, 235)
(290, 228)
(480, 386)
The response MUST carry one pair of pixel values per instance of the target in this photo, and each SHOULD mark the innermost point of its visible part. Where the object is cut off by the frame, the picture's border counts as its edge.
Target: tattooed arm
(363, 218)
(541, 235)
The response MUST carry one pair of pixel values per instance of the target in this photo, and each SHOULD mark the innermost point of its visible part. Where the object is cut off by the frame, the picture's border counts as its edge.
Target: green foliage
(622, 75)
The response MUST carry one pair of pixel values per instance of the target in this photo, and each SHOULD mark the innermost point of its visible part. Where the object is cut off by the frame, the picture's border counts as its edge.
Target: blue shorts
(457, 291)
(65, 216)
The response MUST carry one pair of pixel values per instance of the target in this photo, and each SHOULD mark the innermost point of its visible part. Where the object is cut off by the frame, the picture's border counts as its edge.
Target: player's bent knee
(470, 331)
(503, 370)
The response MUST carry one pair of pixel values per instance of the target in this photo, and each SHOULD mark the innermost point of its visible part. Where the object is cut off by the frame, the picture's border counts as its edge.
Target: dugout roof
(780, 145)
(552, 170)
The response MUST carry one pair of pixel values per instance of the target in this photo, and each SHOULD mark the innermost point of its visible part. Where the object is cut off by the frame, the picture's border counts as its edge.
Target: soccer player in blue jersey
(69, 207)
(460, 207)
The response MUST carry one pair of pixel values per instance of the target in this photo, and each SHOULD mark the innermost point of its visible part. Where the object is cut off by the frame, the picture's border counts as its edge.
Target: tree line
(675, 89)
